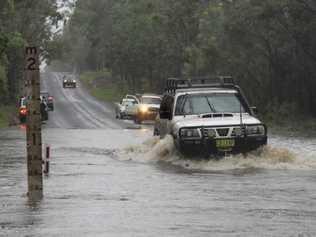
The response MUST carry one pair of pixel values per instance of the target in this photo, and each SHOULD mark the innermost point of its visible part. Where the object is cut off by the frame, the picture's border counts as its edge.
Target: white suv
(209, 116)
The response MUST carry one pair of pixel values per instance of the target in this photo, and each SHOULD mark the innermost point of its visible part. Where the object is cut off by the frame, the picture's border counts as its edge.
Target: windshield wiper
(209, 104)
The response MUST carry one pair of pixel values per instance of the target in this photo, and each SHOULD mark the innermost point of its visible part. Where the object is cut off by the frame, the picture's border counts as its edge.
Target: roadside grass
(6, 115)
(102, 86)
(301, 126)
(289, 120)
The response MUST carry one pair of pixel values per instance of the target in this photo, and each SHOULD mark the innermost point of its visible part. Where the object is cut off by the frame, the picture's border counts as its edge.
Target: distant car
(43, 109)
(147, 108)
(131, 109)
(50, 103)
(121, 109)
(69, 82)
(22, 110)
(48, 99)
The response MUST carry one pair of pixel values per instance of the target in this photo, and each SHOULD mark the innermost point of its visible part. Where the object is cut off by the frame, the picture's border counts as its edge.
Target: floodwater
(111, 180)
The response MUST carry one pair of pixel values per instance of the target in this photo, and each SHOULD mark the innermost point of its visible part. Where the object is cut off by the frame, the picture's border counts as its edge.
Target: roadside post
(46, 161)
(33, 124)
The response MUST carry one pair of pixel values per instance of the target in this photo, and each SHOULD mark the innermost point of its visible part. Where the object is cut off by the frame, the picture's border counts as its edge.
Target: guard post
(33, 124)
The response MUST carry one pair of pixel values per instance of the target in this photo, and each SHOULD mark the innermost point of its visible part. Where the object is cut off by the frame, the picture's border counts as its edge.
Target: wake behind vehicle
(69, 82)
(209, 117)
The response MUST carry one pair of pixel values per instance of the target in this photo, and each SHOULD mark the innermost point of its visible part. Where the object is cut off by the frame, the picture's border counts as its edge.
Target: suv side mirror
(254, 109)
(164, 114)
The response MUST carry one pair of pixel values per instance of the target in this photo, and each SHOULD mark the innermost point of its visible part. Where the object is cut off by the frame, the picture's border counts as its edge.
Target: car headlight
(74, 81)
(255, 130)
(65, 81)
(143, 109)
(190, 133)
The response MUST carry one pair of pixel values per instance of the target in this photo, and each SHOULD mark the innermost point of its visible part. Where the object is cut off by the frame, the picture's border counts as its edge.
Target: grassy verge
(6, 115)
(287, 119)
(101, 85)
(303, 126)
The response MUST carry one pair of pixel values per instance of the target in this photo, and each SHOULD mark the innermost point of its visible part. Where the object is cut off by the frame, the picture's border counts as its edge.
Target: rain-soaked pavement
(109, 179)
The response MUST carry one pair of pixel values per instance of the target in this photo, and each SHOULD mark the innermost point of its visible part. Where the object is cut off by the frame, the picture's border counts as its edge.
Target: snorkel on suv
(210, 116)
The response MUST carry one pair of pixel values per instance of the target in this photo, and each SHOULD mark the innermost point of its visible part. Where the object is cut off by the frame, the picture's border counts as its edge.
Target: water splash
(152, 150)
(269, 157)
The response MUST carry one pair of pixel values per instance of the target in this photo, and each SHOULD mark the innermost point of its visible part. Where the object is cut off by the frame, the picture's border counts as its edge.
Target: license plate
(225, 143)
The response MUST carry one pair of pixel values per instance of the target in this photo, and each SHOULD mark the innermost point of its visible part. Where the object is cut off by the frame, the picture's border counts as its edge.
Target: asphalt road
(77, 109)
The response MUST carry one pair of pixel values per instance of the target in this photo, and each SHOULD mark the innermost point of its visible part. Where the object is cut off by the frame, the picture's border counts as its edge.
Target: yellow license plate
(225, 143)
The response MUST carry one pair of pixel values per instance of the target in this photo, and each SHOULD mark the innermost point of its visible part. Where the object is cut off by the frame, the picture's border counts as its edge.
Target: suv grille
(222, 132)
(210, 132)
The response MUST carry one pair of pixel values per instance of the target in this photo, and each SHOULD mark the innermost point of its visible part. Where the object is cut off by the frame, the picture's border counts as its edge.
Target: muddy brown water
(120, 182)
(107, 179)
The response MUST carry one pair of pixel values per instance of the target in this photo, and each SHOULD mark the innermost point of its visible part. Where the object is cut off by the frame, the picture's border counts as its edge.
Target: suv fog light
(211, 133)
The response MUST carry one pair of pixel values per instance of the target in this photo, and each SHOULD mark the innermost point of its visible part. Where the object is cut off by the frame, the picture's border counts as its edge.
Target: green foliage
(6, 114)
(16, 41)
(3, 84)
(103, 86)
(268, 46)
(22, 23)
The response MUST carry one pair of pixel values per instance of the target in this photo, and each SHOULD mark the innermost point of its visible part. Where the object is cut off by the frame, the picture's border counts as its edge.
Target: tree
(22, 22)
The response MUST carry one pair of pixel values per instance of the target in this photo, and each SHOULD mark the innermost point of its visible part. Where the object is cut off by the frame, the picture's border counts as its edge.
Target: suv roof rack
(173, 84)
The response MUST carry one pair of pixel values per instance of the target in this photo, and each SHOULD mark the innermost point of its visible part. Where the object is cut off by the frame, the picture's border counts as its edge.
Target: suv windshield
(151, 100)
(208, 103)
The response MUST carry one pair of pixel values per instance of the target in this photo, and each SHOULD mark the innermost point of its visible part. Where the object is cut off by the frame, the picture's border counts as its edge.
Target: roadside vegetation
(7, 115)
(267, 46)
(102, 86)
(22, 23)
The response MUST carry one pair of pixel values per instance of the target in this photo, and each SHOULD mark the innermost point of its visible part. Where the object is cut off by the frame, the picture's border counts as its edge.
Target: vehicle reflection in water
(125, 182)
(23, 127)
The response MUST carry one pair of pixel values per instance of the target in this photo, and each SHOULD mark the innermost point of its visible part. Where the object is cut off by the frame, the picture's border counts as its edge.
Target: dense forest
(269, 46)
(22, 23)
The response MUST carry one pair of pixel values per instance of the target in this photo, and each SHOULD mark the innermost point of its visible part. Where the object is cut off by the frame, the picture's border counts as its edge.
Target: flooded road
(109, 180)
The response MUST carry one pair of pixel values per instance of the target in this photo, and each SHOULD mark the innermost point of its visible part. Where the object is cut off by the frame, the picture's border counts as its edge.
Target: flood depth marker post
(33, 124)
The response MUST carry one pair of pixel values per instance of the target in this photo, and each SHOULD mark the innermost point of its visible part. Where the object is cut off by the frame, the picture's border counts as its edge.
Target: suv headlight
(190, 133)
(255, 130)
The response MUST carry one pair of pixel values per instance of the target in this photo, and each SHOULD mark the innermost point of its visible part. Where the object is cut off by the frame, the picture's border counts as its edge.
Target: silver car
(122, 108)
